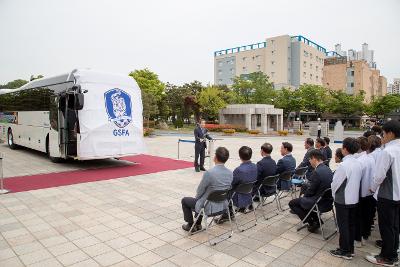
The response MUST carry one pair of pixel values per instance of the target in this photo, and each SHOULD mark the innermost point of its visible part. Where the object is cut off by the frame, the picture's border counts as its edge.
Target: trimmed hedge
(221, 127)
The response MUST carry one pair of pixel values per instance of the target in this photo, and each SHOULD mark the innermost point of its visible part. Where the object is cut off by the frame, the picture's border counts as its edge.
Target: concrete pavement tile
(167, 251)
(36, 256)
(151, 243)
(47, 263)
(97, 249)
(132, 250)
(147, 259)
(12, 262)
(62, 248)
(72, 257)
(258, 259)
(6, 254)
(221, 259)
(109, 258)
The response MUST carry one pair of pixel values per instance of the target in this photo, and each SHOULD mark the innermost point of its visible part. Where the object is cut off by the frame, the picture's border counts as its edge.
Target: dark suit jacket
(306, 163)
(320, 180)
(201, 133)
(246, 172)
(328, 152)
(286, 163)
(265, 167)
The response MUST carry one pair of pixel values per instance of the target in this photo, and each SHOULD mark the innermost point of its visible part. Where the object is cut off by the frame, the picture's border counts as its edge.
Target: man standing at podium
(200, 135)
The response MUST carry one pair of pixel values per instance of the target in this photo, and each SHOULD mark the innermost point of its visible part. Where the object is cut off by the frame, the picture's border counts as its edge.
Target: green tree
(14, 84)
(345, 104)
(314, 98)
(150, 84)
(383, 105)
(211, 101)
(150, 108)
(253, 88)
(289, 100)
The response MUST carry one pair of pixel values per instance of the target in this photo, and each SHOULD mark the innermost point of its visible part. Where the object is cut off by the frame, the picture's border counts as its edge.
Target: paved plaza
(136, 221)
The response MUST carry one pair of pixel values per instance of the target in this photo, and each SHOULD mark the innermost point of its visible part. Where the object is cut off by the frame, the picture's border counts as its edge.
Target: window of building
(311, 56)
(244, 58)
(351, 84)
(310, 66)
(272, 74)
(305, 53)
(272, 42)
(272, 62)
(244, 69)
(232, 71)
(257, 56)
(220, 72)
(352, 73)
(310, 76)
(316, 68)
(316, 77)
(254, 58)
(304, 64)
(304, 74)
(258, 67)
(220, 64)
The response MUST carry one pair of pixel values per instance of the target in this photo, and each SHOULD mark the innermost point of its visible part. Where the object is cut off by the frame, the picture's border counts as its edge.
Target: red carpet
(146, 164)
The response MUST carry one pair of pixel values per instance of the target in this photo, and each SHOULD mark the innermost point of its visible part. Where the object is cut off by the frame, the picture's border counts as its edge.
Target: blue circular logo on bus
(118, 106)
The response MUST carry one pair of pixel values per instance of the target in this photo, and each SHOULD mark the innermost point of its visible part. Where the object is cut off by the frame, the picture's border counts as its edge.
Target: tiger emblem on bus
(118, 106)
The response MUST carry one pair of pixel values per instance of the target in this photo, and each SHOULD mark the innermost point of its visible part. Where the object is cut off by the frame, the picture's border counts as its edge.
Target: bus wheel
(53, 159)
(10, 140)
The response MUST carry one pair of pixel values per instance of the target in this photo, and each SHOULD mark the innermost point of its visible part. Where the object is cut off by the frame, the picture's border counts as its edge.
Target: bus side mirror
(78, 101)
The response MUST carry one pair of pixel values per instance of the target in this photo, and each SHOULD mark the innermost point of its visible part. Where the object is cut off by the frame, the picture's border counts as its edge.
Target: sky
(177, 38)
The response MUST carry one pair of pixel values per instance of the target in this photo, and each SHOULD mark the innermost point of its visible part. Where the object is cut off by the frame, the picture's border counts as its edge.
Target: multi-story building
(352, 76)
(394, 88)
(289, 61)
(364, 54)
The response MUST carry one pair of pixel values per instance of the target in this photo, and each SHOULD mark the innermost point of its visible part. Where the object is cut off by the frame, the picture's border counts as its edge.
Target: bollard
(2, 190)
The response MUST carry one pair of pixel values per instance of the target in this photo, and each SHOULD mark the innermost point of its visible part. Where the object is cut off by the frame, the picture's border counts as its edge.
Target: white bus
(81, 115)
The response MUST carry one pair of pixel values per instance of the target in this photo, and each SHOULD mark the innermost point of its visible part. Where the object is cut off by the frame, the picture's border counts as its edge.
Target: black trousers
(388, 219)
(346, 219)
(188, 205)
(295, 206)
(365, 217)
(199, 151)
(319, 133)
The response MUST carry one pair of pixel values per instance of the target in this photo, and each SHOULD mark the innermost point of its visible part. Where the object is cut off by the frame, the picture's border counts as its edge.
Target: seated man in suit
(320, 180)
(265, 167)
(320, 145)
(217, 178)
(309, 146)
(328, 149)
(285, 164)
(245, 173)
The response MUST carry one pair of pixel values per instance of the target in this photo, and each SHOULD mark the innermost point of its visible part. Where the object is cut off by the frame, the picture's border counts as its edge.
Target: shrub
(147, 131)
(283, 133)
(228, 131)
(178, 123)
(149, 124)
(253, 131)
(221, 127)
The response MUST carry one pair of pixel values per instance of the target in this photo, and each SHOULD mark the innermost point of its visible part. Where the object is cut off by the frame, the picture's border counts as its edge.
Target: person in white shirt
(366, 207)
(345, 191)
(386, 188)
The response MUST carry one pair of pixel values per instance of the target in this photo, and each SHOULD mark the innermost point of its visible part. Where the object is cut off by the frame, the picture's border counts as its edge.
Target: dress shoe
(202, 169)
(313, 227)
(197, 169)
(187, 227)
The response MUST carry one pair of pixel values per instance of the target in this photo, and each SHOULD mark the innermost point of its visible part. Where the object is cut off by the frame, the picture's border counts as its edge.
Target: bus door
(62, 124)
